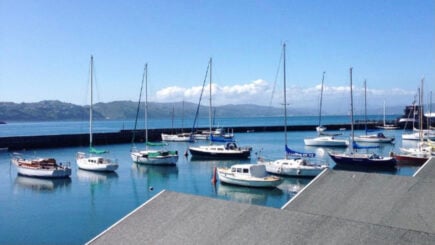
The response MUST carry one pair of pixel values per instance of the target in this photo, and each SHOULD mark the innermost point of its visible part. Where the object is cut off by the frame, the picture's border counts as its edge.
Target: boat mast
(138, 106)
(182, 117)
(351, 111)
(146, 105)
(421, 110)
(365, 104)
(209, 109)
(200, 98)
(285, 100)
(172, 121)
(429, 118)
(321, 99)
(90, 107)
(384, 114)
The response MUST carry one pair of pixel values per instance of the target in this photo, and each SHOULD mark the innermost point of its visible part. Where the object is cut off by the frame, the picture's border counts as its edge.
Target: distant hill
(47, 110)
(56, 110)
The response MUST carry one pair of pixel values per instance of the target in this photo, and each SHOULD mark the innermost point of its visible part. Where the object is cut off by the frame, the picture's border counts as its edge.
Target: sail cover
(96, 151)
(156, 143)
(291, 152)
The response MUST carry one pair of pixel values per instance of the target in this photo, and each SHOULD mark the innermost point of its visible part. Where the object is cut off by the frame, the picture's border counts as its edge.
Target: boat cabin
(253, 170)
(231, 146)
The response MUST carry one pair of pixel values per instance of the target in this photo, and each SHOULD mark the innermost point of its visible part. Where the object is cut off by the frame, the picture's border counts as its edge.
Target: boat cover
(96, 151)
(291, 152)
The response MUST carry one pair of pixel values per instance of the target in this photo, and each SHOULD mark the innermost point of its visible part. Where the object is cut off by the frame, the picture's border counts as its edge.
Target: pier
(126, 136)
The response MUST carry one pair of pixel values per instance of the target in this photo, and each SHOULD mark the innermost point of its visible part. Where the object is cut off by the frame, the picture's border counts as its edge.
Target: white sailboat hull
(41, 172)
(201, 136)
(59, 173)
(293, 167)
(176, 137)
(373, 139)
(320, 129)
(388, 127)
(144, 157)
(326, 141)
(416, 136)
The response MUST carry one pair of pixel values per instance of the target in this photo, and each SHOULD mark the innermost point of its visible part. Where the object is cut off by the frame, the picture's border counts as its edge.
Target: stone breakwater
(126, 136)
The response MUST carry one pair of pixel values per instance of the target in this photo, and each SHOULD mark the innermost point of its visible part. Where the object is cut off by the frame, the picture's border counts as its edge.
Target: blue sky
(45, 47)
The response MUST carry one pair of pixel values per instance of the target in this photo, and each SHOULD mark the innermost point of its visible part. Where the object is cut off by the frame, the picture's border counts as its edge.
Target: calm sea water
(74, 210)
(75, 127)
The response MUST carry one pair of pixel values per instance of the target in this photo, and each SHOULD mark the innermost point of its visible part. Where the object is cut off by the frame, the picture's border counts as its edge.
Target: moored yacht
(325, 140)
(294, 163)
(147, 155)
(180, 137)
(357, 160)
(374, 138)
(41, 167)
(297, 167)
(95, 159)
(251, 175)
(222, 151)
(229, 150)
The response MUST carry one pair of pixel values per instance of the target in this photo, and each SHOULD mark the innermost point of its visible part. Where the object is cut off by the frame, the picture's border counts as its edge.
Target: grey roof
(389, 200)
(427, 170)
(338, 207)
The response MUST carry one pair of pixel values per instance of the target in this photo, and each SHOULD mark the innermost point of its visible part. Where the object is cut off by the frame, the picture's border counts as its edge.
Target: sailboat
(229, 150)
(385, 125)
(354, 159)
(320, 128)
(371, 138)
(324, 139)
(94, 160)
(419, 134)
(41, 167)
(176, 137)
(298, 164)
(148, 156)
(420, 154)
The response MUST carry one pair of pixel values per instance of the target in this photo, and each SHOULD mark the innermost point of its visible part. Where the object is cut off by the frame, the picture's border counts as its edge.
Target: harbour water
(77, 127)
(72, 211)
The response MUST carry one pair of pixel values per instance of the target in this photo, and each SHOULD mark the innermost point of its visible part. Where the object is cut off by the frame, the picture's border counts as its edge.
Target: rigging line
(95, 84)
(200, 97)
(409, 113)
(138, 107)
(276, 78)
(321, 100)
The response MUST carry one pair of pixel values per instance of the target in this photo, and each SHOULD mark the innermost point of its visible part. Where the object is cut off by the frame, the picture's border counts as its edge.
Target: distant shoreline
(127, 110)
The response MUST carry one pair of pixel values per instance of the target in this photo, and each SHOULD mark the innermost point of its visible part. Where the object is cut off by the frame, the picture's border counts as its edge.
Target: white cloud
(260, 92)
(250, 93)
(169, 93)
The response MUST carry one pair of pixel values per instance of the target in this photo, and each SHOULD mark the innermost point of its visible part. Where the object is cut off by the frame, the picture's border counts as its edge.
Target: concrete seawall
(125, 136)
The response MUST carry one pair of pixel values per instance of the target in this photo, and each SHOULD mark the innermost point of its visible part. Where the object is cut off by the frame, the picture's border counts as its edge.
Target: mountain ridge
(55, 110)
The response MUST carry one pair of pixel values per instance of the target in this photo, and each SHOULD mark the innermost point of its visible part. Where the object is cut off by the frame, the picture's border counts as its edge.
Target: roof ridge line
(305, 187)
(125, 217)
